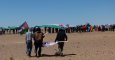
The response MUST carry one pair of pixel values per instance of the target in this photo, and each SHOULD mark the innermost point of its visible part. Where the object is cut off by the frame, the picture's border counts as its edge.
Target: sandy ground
(81, 46)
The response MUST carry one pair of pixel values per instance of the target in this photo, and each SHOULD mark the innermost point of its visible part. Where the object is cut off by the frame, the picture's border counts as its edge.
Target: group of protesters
(90, 28)
(37, 36)
(83, 28)
(8, 31)
(69, 29)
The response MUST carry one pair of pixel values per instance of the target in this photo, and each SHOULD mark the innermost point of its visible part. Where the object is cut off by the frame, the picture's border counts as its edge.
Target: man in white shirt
(29, 42)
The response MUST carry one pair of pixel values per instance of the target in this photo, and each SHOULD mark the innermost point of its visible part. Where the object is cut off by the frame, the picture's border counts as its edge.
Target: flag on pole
(23, 28)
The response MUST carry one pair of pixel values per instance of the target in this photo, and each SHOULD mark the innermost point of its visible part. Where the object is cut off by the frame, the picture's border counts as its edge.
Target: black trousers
(38, 45)
(60, 46)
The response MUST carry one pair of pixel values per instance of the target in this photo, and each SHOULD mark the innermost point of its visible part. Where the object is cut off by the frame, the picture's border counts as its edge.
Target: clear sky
(40, 12)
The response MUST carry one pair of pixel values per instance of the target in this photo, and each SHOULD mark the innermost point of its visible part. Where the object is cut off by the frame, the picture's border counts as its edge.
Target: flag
(23, 28)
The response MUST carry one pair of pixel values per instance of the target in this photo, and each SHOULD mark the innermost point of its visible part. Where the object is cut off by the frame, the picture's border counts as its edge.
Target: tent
(53, 26)
(13, 27)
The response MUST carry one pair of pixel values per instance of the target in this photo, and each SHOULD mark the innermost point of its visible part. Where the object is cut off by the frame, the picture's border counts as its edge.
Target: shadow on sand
(46, 55)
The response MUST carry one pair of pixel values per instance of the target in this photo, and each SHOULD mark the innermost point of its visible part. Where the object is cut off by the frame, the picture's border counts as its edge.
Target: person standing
(61, 36)
(29, 42)
(38, 41)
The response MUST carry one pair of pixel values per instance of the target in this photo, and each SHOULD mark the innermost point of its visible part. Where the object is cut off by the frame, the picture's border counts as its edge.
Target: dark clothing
(38, 45)
(61, 36)
(60, 46)
(38, 42)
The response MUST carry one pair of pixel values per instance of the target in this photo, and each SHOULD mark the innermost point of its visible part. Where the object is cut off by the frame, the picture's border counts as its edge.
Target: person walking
(61, 36)
(38, 41)
(29, 42)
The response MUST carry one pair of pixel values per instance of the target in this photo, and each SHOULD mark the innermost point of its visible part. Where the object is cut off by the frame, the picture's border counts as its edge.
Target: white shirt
(29, 36)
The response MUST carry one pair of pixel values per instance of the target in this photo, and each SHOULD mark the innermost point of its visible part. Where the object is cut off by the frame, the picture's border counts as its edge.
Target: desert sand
(80, 46)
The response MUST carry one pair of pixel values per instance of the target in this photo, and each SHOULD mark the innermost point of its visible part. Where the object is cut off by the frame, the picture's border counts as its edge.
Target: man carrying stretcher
(61, 36)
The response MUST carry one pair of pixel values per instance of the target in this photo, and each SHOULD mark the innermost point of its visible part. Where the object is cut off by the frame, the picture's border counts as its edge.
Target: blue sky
(40, 12)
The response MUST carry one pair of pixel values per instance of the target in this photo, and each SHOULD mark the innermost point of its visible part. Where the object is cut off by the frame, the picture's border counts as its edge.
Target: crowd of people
(90, 28)
(83, 28)
(8, 31)
(36, 35)
(69, 29)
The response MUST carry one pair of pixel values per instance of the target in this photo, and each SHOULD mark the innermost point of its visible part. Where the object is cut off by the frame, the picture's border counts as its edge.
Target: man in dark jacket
(38, 41)
(61, 36)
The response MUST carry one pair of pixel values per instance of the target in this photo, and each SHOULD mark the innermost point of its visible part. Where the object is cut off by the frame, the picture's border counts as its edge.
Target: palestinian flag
(23, 28)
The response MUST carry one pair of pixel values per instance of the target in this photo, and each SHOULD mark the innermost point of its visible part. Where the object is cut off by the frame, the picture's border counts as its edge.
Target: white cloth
(47, 44)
